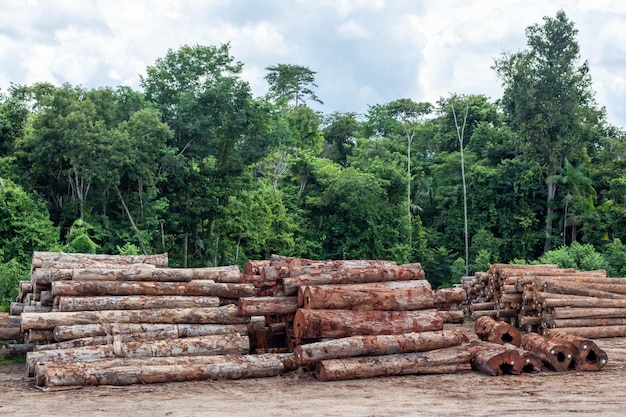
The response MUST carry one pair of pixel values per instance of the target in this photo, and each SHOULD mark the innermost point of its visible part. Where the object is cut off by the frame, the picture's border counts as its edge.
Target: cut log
(39, 336)
(448, 297)
(419, 297)
(10, 333)
(16, 308)
(579, 313)
(452, 316)
(592, 332)
(528, 362)
(590, 357)
(46, 298)
(254, 267)
(475, 315)
(552, 323)
(216, 315)
(447, 360)
(137, 273)
(157, 370)
(63, 333)
(494, 359)
(159, 260)
(36, 308)
(265, 306)
(316, 324)
(108, 339)
(354, 276)
(560, 357)
(549, 300)
(377, 345)
(13, 350)
(585, 289)
(499, 332)
(133, 302)
(232, 343)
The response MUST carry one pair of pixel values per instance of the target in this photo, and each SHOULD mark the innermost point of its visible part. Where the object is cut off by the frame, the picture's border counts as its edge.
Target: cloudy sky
(364, 51)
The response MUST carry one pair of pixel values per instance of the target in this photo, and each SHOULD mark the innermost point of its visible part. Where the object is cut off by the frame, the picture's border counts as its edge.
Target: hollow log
(157, 370)
(493, 359)
(489, 330)
(355, 276)
(10, 333)
(592, 332)
(377, 345)
(556, 323)
(579, 313)
(528, 362)
(447, 297)
(64, 333)
(265, 306)
(13, 350)
(558, 356)
(216, 315)
(452, 316)
(590, 357)
(133, 302)
(159, 260)
(223, 344)
(191, 288)
(447, 360)
(316, 324)
(348, 298)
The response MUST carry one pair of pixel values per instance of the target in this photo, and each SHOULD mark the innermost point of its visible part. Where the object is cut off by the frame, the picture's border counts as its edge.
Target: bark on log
(452, 316)
(265, 306)
(552, 323)
(316, 324)
(191, 288)
(16, 308)
(447, 297)
(157, 370)
(499, 332)
(254, 267)
(36, 308)
(232, 343)
(589, 290)
(377, 345)
(592, 332)
(494, 359)
(549, 300)
(13, 350)
(483, 313)
(39, 336)
(133, 302)
(528, 362)
(557, 356)
(229, 274)
(10, 320)
(580, 313)
(215, 315)
(350, 298)
(46, 298)
(447, 360)
(355, 276)
(590, 357)
(10, 333)
(108, 339)
(159, 260)
(64, 333)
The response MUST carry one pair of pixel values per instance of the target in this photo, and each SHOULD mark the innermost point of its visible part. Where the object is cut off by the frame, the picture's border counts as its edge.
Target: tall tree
(549, 100)
(292, 84)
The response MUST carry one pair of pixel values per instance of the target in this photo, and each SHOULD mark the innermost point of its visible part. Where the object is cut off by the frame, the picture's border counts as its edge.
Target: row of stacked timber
(547, 299)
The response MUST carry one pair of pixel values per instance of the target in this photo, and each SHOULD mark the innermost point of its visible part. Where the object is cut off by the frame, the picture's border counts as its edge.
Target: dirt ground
(469, 394)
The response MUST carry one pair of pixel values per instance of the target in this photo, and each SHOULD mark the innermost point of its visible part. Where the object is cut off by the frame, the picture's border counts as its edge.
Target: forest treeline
(193, 165)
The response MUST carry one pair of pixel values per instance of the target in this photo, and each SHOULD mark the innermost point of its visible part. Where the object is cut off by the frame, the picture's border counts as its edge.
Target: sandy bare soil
(468, 394)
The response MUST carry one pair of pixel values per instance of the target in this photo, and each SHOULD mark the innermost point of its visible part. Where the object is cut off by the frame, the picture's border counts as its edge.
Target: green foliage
(79, 240)
(128, 249)
(583, 257)
(11, 273)
(615, 256)
(291, 83)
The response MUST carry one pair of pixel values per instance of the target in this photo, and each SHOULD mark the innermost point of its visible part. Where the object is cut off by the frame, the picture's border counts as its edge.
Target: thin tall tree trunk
(460, 131)
(551, 192)
(132, 222)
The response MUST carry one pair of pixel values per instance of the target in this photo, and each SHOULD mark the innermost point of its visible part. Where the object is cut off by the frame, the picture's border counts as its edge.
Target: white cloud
(352, 29)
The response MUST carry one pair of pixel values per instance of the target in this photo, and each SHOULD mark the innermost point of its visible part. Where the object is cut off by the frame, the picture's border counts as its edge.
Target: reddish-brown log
(316, 324)
(448, 297)
(447, 360)
(590, 357)
(493, 359)
(585, 289)
(592, 332)
(377, 345)
(556, 323)
(549, 300)
(452, 316)
(133, 302)
(560, 357)
(265, 306)
(191, 288)
(499, 332)
(579, 313)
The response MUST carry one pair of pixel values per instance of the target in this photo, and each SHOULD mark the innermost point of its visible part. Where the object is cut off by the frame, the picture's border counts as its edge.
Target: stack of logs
(546, 299)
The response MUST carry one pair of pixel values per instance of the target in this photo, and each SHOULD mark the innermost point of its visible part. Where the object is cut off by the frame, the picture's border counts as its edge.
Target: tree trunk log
(355, 276)
(447, 360)
(349, 298)
(448, 297)
(560, 357)
(549, 300)
(39, 336)
(108, 339)
(498, 332)
(157, 370)
(552, 323)
(266, 306)
(592, 332)
(133, 302)
(494, 359)
(585, 289)
(590, 357)
(452, 316)
(81, 331)
(232, 343)
(316, 324)
(10, 333)
(191, 288)
(216, 315)
(589, 313)
(13, 350)
(159, 260)
(377, 345)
